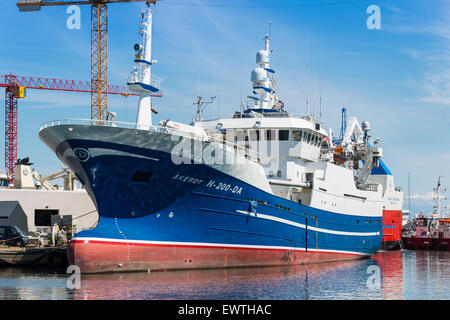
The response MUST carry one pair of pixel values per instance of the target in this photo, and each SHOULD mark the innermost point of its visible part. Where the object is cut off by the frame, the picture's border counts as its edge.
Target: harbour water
(398, 275)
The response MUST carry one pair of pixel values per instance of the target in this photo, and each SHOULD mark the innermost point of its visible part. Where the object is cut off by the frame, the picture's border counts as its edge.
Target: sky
(396, 76)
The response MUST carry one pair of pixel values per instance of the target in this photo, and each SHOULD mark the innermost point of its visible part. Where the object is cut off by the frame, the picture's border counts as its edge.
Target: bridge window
(297, 135)
(240, 135)
(283, 135)
(254, 135)
(271, 135)
(314, 140)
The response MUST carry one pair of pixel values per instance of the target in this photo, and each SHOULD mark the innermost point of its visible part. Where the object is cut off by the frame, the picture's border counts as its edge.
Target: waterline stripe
(299, 225)
(87, 240)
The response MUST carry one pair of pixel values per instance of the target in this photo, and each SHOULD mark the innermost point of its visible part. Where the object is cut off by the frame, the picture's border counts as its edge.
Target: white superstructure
(299, 160)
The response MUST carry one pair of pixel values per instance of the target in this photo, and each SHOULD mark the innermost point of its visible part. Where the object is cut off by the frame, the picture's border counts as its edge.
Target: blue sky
(397, 77)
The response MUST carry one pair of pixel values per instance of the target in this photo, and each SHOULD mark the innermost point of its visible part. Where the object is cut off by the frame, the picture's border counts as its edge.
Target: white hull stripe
(299, 225)
(95, 152)
(205, 244)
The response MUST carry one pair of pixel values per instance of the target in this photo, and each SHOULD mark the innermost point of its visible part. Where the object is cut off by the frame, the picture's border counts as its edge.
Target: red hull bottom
(95, 257)
(441, 244)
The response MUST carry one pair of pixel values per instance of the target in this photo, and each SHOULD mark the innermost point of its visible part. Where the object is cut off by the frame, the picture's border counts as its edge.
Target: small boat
(429, 233)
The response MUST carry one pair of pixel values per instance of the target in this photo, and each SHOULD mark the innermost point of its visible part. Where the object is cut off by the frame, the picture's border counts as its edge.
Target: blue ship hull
(154, 214)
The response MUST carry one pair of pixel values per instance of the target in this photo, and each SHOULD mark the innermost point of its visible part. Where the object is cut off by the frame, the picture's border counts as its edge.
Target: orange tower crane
(99, 47)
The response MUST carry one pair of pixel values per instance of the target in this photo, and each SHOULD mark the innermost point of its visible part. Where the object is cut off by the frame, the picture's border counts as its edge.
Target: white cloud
(436, 79)
(426, 196)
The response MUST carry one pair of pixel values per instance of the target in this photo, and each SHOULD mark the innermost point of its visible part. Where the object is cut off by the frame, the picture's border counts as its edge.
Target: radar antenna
(438, 198)
(201, 105)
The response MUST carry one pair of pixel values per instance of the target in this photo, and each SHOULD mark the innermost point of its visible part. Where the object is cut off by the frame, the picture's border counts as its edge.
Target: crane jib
(34, 5)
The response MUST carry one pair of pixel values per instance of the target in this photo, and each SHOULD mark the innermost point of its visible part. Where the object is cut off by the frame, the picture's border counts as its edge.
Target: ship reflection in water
(387, 275)
(328, 281)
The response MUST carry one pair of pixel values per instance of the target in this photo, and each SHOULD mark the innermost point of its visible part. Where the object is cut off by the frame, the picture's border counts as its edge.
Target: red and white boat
(429, 233)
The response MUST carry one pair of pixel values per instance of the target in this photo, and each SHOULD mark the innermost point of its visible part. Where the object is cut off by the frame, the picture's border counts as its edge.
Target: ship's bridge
(281, 139)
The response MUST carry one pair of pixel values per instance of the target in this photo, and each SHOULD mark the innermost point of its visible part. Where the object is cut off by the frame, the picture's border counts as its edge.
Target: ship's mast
(438, 197)
(201, 105)
(144, 116)
(142, 80)
(263, 80)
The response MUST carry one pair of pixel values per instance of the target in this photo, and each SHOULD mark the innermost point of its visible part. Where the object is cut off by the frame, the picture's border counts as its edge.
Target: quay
(33, 256)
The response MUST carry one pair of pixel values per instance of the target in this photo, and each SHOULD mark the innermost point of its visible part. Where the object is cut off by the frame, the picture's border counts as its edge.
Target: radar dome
(262, 57)
(365, 126)
(259, 75)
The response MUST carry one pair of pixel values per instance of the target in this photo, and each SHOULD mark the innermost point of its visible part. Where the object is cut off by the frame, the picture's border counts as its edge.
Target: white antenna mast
(270, 30)
(437, 191)
(409, 194)
(307, 74)
(198, 79)
(263, 79)
(141, 79)
(320, 102)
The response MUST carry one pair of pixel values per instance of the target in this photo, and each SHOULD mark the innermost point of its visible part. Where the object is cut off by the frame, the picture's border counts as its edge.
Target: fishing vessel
(429, 232)
(263, 187)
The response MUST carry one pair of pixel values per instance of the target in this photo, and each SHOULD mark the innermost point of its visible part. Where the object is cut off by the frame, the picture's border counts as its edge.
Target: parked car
(13, 236)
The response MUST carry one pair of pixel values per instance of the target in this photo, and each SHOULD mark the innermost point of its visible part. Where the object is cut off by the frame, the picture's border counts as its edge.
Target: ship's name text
(224, 187)
(187, 179)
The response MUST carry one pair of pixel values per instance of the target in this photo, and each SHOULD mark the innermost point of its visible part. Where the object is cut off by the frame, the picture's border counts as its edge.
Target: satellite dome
(365, 126)
(259, 75)
(262, 57)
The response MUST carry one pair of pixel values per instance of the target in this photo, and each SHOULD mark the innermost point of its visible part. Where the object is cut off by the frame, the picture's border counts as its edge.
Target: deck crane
(99, 47)
(65, 174)
(337, 141)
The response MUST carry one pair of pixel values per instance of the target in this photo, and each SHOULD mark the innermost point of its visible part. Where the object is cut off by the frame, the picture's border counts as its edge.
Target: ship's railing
(246, 152)
(128, 125)
(155, 81)
(262, 114)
